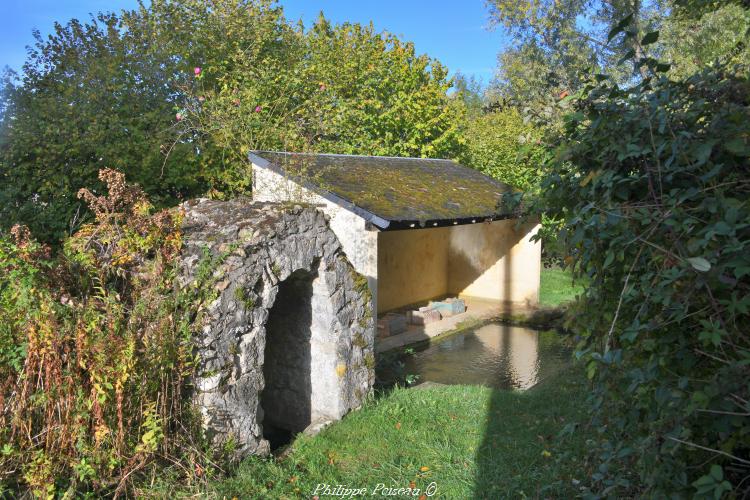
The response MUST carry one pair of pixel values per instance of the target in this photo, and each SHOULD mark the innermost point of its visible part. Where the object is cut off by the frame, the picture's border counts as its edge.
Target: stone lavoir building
(300, 273)
(417, 228)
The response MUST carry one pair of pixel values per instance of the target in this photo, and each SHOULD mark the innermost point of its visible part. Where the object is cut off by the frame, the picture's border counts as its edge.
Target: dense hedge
(175, 93)
(652, 182)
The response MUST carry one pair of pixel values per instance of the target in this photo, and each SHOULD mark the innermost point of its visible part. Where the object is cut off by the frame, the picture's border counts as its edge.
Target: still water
(495, 355)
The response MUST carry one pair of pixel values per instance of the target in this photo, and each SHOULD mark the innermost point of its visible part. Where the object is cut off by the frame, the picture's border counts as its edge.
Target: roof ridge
(257, 151)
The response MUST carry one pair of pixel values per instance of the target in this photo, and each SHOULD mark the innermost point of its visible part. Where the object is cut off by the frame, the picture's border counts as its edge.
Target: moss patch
(243, 296)
(401, 188)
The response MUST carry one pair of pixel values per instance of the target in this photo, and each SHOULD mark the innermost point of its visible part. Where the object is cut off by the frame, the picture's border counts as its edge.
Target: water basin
(495, 355)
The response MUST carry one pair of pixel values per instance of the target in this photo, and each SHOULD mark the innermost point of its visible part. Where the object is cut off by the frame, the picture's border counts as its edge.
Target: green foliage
(652, 184)
(692, 42)
(248, 91)
(558, 287)
(96, 346)
(19, 266)
(91, 95)
(530, 74)
(122, 91)
(244, 297)
(469, 91)
(335, 89)
(558, 46)
(382, 97)
(502, 146)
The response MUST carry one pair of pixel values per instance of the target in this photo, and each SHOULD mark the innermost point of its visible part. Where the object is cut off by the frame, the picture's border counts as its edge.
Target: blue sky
(453, 32)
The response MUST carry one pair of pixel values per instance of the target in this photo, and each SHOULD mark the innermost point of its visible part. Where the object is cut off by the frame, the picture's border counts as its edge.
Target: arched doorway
(286, 399)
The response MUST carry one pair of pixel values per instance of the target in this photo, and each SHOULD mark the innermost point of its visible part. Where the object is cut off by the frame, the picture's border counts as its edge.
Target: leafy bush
(501, 145)
(333, 88)
(94, 349)
(92, 94)
(652, 183)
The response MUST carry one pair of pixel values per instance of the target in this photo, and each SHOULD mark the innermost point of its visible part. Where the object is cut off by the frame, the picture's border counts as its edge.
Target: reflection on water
(495, 355)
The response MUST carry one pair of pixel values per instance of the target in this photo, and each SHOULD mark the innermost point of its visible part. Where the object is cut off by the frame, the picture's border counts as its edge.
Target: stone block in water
(391, 324)
(424, 316)
(449, 307)
(458, 306)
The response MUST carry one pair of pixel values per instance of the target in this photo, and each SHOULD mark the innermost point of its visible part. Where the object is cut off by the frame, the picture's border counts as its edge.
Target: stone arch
(260, 252)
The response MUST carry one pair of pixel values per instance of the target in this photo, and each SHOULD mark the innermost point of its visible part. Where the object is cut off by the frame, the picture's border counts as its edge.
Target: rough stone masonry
(285, 340)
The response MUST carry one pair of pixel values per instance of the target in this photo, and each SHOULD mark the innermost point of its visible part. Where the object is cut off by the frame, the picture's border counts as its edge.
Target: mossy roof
(398, 192)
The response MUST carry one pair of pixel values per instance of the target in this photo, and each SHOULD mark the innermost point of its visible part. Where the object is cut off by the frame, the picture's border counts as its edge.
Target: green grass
(471, 441)
(557, 287)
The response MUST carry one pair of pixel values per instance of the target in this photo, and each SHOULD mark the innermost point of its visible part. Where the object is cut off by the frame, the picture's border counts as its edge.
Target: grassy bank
(557, 287)
(472, 442)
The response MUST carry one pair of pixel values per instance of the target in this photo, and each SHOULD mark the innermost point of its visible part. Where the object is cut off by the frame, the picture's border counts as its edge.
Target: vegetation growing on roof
(400, 189)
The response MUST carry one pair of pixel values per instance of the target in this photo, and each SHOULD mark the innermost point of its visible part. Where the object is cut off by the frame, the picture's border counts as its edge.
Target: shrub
(501, 145)
(506, 147)
(94, 349)
(652, 183)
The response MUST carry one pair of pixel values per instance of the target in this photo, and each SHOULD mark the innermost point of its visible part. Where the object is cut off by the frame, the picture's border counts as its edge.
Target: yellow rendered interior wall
(412, 266)
(493, 261)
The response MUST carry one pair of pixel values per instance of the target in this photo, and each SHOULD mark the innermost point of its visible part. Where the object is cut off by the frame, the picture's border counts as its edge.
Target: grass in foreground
(471, 441)
(557, 287)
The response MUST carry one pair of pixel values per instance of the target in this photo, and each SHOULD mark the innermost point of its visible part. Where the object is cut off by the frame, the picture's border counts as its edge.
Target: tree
(380, 96)
(174, 94)
(238, 83)
(468, 90)
(558, 44)
(90, 96)
(501, 145)
(335, 89)
(695, 38)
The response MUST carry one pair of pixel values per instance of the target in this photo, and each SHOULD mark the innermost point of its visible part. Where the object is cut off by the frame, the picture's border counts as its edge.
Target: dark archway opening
(286, 398)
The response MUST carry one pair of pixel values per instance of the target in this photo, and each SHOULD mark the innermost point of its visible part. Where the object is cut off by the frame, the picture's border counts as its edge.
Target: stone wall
(283, 292)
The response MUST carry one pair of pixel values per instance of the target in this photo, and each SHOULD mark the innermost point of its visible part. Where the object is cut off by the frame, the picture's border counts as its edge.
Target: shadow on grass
(524, 451)
(534, 441)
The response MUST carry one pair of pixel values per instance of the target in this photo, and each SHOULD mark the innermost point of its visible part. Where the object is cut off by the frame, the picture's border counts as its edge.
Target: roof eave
(448, 222)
